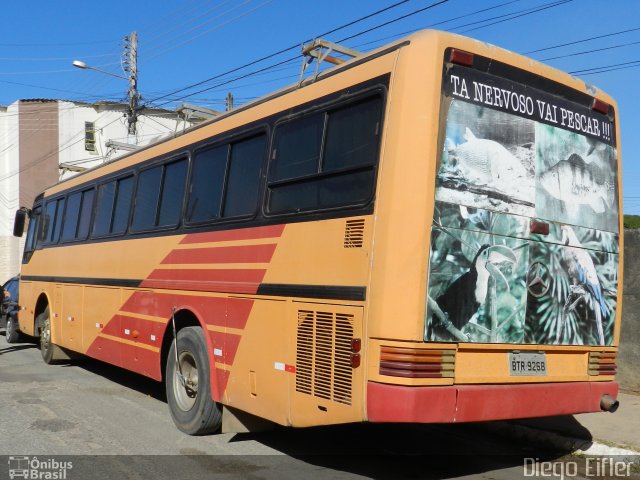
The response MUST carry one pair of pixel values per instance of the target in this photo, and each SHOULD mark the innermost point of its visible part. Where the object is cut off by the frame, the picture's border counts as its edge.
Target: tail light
(600, 106)
(602, 363)
(416, 362)
(461, 57)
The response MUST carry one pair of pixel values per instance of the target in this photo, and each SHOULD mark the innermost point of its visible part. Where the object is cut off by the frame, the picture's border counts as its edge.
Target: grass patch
(632, 221)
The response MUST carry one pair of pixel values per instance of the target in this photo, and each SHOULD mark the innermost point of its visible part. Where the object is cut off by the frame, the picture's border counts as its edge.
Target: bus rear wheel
(188, 385)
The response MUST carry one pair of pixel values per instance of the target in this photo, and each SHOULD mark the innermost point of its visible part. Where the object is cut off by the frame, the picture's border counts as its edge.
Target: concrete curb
(561, 442)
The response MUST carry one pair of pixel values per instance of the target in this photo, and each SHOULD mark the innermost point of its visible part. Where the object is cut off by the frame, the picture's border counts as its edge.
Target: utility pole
(130, 65)
(229, 101)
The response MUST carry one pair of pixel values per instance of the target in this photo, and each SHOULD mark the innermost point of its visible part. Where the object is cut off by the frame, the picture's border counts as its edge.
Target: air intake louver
(354, 233)
(323, 355)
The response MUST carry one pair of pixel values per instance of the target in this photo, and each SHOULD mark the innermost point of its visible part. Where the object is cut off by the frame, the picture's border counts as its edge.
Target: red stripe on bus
(131, 357)
(242, 254)
(217, 311)
(213, 280)
(272, 231)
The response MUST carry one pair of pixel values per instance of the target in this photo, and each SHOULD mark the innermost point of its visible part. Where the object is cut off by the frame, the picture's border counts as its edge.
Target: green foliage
(632, 221)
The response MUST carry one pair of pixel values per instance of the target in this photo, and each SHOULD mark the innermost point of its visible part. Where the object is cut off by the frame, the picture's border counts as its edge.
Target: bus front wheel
(188, 385)
(51, 353)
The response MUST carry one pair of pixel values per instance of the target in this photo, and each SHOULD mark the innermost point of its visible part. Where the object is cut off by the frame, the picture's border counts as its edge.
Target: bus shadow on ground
(391, 451)
(125, 378)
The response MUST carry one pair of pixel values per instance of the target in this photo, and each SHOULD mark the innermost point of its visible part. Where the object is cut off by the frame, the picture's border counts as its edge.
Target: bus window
(71, 216)
(144, 215)
(122, 205)
(244, 176)
(53, 220)
(31, 241)
(306, 175)
(102, 222)
(173, 183)
(207, 180)
(114, 202)
(85, 214)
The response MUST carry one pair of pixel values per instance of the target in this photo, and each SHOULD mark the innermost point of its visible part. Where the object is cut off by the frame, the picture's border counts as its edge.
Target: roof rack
(321, 50)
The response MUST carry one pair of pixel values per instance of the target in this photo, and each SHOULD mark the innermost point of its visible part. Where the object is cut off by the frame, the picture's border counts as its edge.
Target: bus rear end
(520, 276)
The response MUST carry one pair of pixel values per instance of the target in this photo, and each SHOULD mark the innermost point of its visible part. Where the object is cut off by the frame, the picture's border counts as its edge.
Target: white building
(43, 141)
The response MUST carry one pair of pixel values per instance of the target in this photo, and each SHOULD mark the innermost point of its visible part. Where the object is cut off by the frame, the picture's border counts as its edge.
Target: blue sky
(182, 43)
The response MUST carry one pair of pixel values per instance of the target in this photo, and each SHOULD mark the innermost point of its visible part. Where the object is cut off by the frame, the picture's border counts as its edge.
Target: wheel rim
(45, 335)
(186, 392)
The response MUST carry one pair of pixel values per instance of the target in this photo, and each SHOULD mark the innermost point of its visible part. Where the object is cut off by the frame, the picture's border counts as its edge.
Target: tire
(193, 410)
(51, 353)
(11, 333)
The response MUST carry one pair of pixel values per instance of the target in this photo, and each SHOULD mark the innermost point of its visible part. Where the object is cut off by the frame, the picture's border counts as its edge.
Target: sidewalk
(599, 433)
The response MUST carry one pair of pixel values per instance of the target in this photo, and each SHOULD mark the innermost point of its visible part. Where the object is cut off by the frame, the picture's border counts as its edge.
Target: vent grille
(323, 355)
(354, 233)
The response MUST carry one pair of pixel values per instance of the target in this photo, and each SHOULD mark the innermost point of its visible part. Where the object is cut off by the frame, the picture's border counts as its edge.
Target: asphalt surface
(110, 423)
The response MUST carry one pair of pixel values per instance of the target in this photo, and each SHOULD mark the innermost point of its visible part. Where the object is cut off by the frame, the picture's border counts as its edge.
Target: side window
(53, 220)
(106, 195)
(326, 160)
(207, 179)
(114, 205)
(32, 232)
(85, 214)
(175, 175)
(144, 215)
(71, 216)
(296, 150)
(122, 206)
(225, 180)
(159, 196)
(78, 215)
(244, 177)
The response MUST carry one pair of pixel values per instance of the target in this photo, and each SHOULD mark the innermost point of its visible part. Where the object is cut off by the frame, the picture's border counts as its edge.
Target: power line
(581, 41)
(589, 51)
(593, 69)
(536, 10)
(271, 55)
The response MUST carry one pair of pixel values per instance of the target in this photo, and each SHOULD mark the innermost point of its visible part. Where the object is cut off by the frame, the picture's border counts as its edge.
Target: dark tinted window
(147, 195)
(71, 216)
(348, 144)
(297, 148)
(334, 191)
(207, 180)
(49, 221)
(59, 216)
(54, 215)
(85, 213)
(34, 223)
(175, 175)
(244, 176)
(352, 136)
(106, 195)
(123, 205)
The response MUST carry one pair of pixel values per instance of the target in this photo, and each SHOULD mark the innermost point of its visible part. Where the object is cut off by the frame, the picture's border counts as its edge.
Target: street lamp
(130, 65)
(80, 64)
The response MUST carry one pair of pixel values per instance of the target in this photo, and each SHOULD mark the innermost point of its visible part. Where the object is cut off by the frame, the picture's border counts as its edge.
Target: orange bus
(425, 233)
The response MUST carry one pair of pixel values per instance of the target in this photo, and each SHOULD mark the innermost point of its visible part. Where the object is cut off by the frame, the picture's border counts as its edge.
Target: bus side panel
(252, 352)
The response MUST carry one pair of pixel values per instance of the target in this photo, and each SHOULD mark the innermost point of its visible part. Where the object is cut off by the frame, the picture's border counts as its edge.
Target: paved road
(86, 409)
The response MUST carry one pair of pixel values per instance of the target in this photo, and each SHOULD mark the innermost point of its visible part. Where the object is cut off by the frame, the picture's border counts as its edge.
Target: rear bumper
(476, 403)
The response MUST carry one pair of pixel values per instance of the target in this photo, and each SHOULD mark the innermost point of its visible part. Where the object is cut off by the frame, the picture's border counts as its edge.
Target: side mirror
(19, 221)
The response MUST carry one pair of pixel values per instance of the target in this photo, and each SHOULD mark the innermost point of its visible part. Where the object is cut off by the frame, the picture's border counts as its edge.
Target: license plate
(527, 363)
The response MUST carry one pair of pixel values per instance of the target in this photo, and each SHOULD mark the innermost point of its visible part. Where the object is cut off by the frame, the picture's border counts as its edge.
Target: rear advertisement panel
(525, 235)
